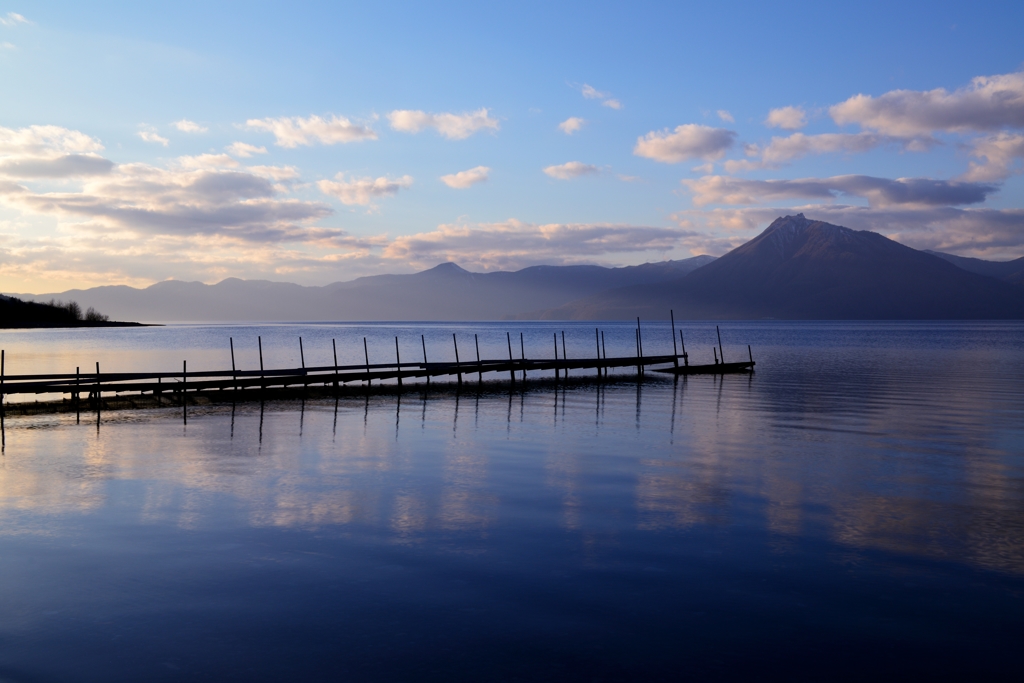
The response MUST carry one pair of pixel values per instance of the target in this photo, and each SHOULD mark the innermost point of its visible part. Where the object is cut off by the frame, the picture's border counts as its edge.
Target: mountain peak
(788, 234)
(447, 267)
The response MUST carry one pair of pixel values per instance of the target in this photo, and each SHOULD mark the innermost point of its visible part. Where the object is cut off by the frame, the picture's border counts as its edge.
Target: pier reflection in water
(794, 525)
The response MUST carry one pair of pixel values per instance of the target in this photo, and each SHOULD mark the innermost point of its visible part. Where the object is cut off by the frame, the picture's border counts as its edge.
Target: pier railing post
(3, 360)
(555, 335)
(522, 354)
(263, 384)
(398, 362)
(597, 342)
(184, 380)
(479, 365)
(334, 346)
(565, 356)
(511, 364)
(675, 349)
(426, 370)
(720, 351)
(234, 371)
(458, 368)
(604, 352)
(366, 353)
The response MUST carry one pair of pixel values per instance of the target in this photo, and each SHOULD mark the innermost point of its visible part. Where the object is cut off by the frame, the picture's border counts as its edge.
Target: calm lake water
(852, 511)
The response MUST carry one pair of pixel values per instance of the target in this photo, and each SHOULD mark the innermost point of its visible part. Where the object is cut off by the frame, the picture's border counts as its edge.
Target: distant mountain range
(799, 269)
(796, 269)
(445, 292)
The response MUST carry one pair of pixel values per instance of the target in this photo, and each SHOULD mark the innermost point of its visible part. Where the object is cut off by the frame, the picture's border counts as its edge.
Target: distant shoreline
(83, 323)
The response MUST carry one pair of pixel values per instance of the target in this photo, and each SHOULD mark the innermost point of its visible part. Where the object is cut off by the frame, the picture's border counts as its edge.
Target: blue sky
(312, 142)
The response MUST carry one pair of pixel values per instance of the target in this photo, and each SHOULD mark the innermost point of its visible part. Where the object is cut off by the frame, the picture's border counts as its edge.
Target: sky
(316, 142)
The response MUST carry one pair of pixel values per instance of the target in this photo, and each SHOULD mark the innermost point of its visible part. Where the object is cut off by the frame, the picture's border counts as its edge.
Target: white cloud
(689, 141)
(464, 179)
(13, 19)
(725, 116)
(987, 104)
(244, 149)
(592, 93)
(789, 118)
(783, 149)
(8, 46)
(363, 191)
(570, 170)
(571, 125)
(150, 135)
(1002, 154)
(50, 152)
(206, 161)
(139, 199)
(275, 173)
(46, 141)
(514, 244)
(293, 131)
(880, 192)
(451, 126)
(186, 126)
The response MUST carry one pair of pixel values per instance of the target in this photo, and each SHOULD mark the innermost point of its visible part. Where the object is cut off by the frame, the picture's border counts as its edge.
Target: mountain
(446, 292)
(1010, 271)
(803, 269)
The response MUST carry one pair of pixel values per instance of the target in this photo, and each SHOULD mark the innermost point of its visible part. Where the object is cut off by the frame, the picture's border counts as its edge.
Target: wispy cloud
(13, 19)
(362, 191)
(788, 118)
(464, 179)
(572, 125)
(244, 149)
(186, 126)
(987, 104)
(725, 116)
(149, 134)
(571, 169)
(689, 141)
(1002, 153)
(880, 192)
(448, 125)
(293, 131)
(592, 93)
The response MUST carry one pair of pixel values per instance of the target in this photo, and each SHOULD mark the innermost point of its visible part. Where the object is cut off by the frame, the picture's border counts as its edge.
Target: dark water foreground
(847, 513)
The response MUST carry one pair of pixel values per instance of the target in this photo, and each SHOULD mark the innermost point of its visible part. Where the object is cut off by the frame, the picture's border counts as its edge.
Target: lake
(853, 510)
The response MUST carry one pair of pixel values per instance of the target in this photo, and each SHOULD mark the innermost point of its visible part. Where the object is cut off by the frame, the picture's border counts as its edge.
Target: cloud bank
(689, 141)
(294, 131)
(450, 126)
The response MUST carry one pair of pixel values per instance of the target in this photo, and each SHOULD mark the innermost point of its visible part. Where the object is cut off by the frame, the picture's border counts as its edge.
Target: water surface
(853, 510)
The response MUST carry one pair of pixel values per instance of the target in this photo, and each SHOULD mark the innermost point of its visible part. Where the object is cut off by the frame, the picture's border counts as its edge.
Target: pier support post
(366, 354)
(458, 368)
(334, 346)
(675, 350)
(479, 366)
(565, 356)
(511, 365)
(555, 335)
(398, 363)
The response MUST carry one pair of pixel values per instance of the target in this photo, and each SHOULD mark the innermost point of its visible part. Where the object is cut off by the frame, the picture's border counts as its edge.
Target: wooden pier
(181, 388)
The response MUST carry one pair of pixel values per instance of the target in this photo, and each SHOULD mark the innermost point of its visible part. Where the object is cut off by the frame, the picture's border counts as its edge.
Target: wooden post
(334, 346)
(636, 333)
(97, 386)
(597, 342)
(259, 340)
(604, 352)
(522, 354)
(184, 380)
(555, 334)
(234, 372)
(479, 366)
(715, 351)
(3, 357)
(458, 369)
(302, 356)
(366, 353)
(565, 356)
(511, 367)
(751, 354)
(425, 369)
(720, 351)
(686, 357)
(675, 350)
(398, 362)
(640, 345)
